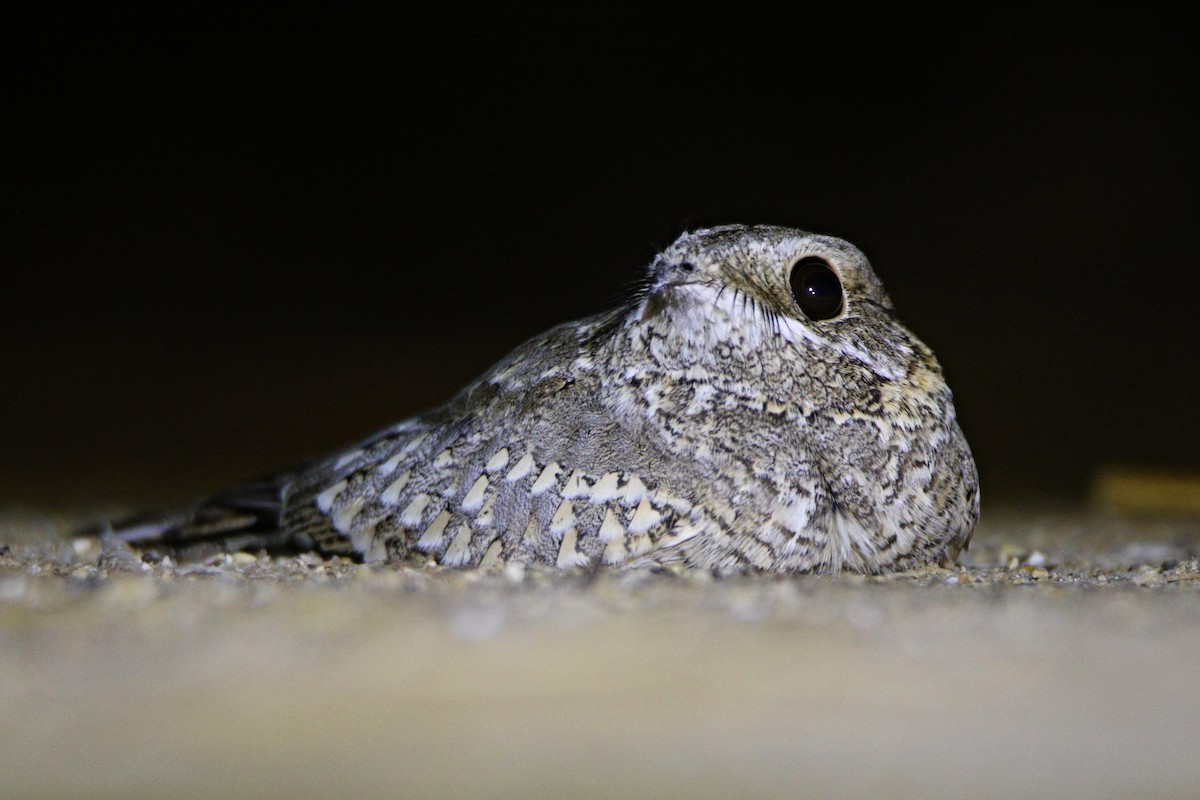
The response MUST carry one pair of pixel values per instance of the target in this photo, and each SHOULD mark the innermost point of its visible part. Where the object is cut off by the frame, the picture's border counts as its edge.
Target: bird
(756, 406)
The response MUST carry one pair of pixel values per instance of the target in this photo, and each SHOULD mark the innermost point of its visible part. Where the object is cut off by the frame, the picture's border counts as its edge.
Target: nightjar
(758, 406)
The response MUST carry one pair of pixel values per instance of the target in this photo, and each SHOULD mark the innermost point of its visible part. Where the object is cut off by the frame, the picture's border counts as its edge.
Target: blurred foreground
(1059, 661)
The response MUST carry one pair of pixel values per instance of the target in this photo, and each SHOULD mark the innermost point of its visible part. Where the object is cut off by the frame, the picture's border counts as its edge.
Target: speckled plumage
(708, 422)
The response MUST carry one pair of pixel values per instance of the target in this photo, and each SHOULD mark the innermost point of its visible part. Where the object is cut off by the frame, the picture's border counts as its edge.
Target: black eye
(816, 288)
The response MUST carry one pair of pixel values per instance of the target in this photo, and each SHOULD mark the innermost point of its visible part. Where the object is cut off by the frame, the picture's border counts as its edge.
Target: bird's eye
(816, 288)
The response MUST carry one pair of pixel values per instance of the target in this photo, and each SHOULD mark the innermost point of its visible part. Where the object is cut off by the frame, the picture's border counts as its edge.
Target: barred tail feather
(247, 517)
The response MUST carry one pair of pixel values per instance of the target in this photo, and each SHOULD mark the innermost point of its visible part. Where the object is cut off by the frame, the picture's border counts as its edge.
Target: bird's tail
(248, 517)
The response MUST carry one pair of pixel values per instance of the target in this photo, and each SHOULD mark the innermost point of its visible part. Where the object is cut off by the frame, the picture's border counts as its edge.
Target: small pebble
(1149, 577)
(85, 546)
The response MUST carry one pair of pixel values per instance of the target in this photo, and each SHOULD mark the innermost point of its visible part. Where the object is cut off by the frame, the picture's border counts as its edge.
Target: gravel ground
(1059, 660)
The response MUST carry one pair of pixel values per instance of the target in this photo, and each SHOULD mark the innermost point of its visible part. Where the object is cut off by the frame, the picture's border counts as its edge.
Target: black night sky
(231, 243)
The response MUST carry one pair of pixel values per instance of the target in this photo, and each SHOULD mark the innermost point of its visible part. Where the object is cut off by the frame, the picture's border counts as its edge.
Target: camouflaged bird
(758, 405)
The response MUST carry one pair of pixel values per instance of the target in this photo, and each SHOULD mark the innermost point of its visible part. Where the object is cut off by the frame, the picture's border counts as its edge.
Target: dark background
(231, 243)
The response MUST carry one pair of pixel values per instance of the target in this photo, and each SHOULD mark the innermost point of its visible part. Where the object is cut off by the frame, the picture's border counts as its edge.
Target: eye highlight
(816, 289)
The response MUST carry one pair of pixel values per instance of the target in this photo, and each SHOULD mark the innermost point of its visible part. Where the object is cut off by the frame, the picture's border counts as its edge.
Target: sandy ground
(1061, 660)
